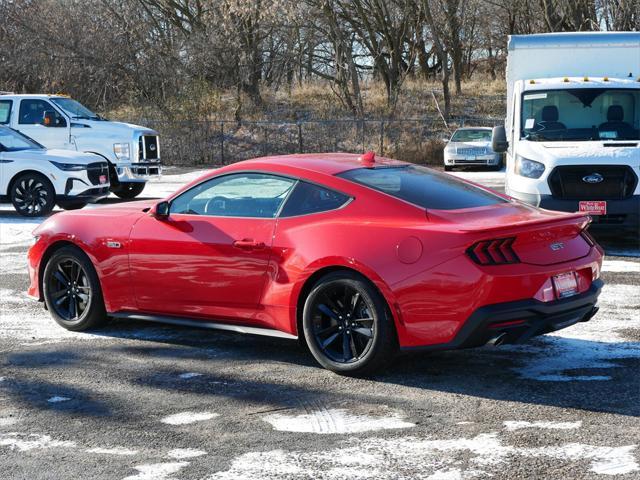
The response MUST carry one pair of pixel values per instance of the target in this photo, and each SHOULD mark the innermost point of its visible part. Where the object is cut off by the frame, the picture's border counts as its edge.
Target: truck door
(31, 123)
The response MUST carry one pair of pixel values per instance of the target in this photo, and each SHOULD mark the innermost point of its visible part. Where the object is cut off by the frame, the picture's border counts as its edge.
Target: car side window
(5, 111)
(32, 113)
(252, 195)
(308, 198)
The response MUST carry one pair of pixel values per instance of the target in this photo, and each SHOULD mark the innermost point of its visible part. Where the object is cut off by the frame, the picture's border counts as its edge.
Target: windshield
(12, 141)
(471, 136)
(423, 187)
(75, 109)
(581, 114)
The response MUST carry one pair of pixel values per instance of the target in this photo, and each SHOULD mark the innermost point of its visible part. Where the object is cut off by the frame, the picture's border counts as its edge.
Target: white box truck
(60, 122)
(572, 131)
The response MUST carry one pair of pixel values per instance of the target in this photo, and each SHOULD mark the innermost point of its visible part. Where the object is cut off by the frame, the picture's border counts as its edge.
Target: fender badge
(556, 246)
(111, 244)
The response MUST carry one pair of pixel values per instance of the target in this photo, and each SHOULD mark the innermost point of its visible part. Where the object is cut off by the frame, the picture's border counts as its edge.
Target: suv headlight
(528, 168)
(69, 167)
(122, 151)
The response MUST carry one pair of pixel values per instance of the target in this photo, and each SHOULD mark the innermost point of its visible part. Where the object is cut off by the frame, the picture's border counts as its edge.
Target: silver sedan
(471, 146)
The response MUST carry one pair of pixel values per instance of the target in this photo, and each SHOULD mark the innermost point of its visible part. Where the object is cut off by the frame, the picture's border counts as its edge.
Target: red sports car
(358, 256)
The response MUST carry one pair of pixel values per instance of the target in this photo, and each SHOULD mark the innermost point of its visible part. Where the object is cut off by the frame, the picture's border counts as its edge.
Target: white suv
(57, 121)
(34, 179)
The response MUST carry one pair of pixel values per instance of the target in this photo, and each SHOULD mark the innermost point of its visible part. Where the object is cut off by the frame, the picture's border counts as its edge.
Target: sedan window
(253, 195)
(307, 198)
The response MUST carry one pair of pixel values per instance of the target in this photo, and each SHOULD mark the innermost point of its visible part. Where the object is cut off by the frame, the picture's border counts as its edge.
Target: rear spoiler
(579, 219)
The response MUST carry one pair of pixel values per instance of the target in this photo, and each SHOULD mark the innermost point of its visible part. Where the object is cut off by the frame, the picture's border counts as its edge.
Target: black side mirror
(49, 119)
(499, 141)
(161, 210)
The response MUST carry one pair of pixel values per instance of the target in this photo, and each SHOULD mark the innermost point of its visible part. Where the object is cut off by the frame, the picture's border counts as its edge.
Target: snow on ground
(157, 471)
(185, 418)
(395, 458)
(113, 451)
(24, 442)
(325, 421)
(181, 453)
(519, 425)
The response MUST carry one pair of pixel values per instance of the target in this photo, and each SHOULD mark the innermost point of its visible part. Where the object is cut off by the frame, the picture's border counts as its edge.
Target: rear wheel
(128, 190)
(347, 325)
(72, 291)
(32, 195)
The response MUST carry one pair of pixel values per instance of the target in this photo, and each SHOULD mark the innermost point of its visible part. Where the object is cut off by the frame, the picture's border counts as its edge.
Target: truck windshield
(12, 141)
(468, 135)
(75, 109)
(581, 114)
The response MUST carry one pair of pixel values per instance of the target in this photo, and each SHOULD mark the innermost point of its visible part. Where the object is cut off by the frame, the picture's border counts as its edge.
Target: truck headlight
(528, 168)
(122, 151)
(69, 167)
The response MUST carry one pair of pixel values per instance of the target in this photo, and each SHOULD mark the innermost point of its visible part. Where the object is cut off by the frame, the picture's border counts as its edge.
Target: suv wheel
(347, 325)
(32, 195)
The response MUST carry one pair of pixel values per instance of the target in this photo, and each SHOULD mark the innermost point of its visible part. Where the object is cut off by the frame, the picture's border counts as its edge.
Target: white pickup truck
(59, 122)
(572, 132)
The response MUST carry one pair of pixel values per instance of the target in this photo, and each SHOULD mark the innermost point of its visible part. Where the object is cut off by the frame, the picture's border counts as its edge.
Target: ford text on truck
(59, 122)
(572, 131)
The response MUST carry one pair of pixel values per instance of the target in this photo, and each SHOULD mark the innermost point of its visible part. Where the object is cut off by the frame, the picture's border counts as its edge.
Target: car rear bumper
(519, 321)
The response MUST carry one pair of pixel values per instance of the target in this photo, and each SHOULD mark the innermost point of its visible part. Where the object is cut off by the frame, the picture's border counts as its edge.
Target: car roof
(473, 128)
(32, 95)
(324, 163)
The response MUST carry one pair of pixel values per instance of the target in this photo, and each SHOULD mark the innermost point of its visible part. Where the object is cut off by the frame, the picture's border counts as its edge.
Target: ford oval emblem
(152, 147)
(593, 178)
(557, 246)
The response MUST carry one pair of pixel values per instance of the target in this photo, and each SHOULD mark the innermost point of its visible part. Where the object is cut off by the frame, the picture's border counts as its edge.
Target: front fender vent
(497, 251)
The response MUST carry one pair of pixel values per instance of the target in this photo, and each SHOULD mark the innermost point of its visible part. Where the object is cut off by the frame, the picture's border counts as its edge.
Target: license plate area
(593, 207)
(565, 284)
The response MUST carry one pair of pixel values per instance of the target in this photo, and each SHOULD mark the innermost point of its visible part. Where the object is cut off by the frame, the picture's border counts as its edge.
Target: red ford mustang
(357, 256)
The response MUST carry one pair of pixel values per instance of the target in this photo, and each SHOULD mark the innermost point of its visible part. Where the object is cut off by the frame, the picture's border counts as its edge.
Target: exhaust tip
(498, 339)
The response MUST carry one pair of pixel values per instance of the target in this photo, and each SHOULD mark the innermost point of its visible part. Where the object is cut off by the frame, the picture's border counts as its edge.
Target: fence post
(381, 149)
(362, 121)
(222, 143)
(300, 144)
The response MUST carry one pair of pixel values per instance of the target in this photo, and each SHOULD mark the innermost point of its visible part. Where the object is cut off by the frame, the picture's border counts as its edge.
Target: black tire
(340, 342)
(448, 168)
(71, 290)
(72, 205)
(32, 195)
(128, 190)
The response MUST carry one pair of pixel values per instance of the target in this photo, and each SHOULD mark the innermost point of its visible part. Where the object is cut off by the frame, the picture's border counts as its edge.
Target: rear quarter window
(423, 187)
(5, 111)
(308, 198)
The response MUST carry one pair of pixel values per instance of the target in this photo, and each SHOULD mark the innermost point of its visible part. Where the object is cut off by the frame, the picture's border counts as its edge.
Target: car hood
(580, 153)
(61, 156)
(113, 128)
(483, 143)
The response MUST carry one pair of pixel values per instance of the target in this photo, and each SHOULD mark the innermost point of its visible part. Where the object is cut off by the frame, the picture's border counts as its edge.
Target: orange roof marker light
(368, 159)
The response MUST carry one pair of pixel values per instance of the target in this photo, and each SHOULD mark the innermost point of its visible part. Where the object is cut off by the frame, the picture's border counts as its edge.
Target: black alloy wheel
(72, 291)
(32, 195)
(347, 325)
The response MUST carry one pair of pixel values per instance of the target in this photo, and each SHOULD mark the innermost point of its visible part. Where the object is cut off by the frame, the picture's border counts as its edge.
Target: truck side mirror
(49, 119)
(161, 210)
(499, 141)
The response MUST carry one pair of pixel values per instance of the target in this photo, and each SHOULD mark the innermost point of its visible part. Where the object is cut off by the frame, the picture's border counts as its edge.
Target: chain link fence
(197, 142)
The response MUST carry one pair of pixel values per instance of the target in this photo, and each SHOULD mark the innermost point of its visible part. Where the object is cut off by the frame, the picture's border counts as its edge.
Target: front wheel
(128, 190)
(32, 195)
(347, 326)
(71, 290)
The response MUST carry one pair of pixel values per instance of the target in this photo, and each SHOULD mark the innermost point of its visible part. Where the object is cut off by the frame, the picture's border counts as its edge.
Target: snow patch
(57, 399)
(186, 418)
(113, 451)
(620, 266)
(6, 421)
(181, 453)
(518, 425)
(411, 457)
(12, 263)
(189, 375)
(157, 471)
(24, 442)
(325, 421)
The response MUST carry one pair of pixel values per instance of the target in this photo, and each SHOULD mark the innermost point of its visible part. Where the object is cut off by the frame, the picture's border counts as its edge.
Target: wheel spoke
(324, 331)
(358, 320)
(346, 347)
(58, 294)
(329, 340)
(61, 277)
(367, 332)
(354, 303)
(327, 311)
(72, 307)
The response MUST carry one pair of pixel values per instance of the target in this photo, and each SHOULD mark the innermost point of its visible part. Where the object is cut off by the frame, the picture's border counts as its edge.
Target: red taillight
(498, 251)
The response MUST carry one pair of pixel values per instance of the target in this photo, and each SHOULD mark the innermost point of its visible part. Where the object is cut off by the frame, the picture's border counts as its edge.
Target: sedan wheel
(72, 291)
(347, 326)
(32, 195)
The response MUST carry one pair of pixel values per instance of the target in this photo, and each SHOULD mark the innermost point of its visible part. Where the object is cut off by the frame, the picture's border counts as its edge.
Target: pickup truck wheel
(32, 195)
(129, 190)
(71, 290)
(447, 168)
(71, 205)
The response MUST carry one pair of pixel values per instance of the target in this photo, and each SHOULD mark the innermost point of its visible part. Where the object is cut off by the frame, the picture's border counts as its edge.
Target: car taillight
(498, 251)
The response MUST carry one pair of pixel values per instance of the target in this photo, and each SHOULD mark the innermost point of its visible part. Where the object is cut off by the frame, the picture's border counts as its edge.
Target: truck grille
(149, 148)
(96, 170)
(618, 182)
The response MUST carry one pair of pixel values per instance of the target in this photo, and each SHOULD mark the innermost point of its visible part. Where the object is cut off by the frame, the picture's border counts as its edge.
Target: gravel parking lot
(144, 401)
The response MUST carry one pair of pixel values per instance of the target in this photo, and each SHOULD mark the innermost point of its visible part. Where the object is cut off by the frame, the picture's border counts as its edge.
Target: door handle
(248, 244)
